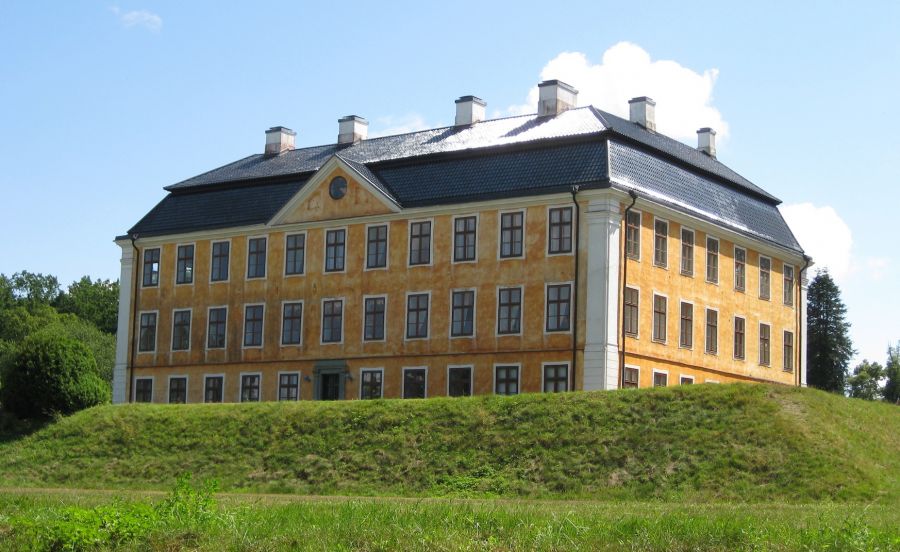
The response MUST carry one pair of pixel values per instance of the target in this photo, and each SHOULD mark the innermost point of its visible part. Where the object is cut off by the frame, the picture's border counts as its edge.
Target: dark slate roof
(502, 174)
(218, 208)
(666, 183)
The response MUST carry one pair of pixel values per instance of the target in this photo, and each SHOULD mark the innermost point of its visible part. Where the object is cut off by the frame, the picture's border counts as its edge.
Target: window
(216, 331)
(660, 379)
(292, 324)
(712, 260)
(740, 268)
(250, 388)
(464, 239)
(218, 272)
(633, 235)
(335, 241)
(788, 285)
(370, 384)
(376, 246)
(558, 305)
(463, 315)
(659, 318)
(295, 254)
(509, 311)
(414, 380)
(632, 297)
(512, 230)
(765, 351)
(631, 377)
(739, 330)
(253, 325)
(556, 378)
(374, 322)
(765, 277)
(417, 315)
(560, 230)
(288, 387)
(420, 243)
(686, 380)
(686, 338)
(147, 334)
(143, 390)
(687, 252)
(661, 243)
(332, 320)
(256, 258)
(181, 330)
(212, 389)
(788, 353)
(506, 380)
(177, 390)
(712, 331)
(459, 381)
(184, 268)
(151, 267)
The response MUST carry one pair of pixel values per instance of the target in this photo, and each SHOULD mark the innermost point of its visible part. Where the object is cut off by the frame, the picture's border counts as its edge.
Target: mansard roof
(508, 157)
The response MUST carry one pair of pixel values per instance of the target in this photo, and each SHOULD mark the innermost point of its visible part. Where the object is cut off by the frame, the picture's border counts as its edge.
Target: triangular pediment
(314, 201)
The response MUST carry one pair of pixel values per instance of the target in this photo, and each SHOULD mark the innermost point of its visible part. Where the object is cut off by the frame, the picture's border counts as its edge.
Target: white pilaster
(126, 285)
(804, 284)
(601, 348)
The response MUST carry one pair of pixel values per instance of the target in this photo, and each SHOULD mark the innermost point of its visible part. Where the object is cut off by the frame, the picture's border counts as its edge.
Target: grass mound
(695, 443)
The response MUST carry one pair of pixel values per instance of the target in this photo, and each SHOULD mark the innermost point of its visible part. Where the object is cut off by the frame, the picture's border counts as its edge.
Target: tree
(32, 289)
(96, 302)
(891, 390)
(51, 374)
(865, 381)
(828, 346)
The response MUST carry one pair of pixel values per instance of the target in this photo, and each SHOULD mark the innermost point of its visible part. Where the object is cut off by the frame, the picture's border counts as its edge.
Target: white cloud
(138, 18)
(877, 267)
(387, 126)
(823, 235)
(683, 97)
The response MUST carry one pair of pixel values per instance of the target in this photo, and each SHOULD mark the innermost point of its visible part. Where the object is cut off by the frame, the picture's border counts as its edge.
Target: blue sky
(104, 103)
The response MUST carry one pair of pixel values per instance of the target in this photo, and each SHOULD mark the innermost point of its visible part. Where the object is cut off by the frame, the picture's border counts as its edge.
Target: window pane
(712, 331)
(712, 260)
(185, 265)
(420, 243)
(374, 322)
(463, 319)
(506, 380)
(687, 325)
(216, 329)
(213, 389)
(147, 334)
(738, 337)
(151, 267)
(178, 390)
(335, 240)
(740, 268)
(219, 269)
(459, 382)
(661, 243)
(376, 247)
(687, 252)
(660, 379)
(765, 268)
(631, 377)
(631, 311)
(509, 311)
(511, 234)
(560, 230)
(250, 388)
(370, 386)
(256, 258)
(143, 390)
(764, 344)
(558, 304)
(633, 235)
(556, 378)
(288, 387)
(464, 239)
(292, 324)
(295, 254)
(332, 321)
(181, 330)
(788, 351)
(253, 326)
(417, 316)
(788, 285)
(414, 383)
(659, 318)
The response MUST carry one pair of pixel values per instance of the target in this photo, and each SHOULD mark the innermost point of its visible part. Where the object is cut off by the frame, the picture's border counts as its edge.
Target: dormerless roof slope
(507, 157)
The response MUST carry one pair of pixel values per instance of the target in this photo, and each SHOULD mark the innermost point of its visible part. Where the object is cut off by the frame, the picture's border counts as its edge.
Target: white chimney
(352, 129)
(279, 139)
(643, 112)
(706, 141)
(555, 97)
(469, 110)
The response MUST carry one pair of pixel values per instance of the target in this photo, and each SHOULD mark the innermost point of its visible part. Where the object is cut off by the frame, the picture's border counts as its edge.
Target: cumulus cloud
(824, 236)
(138, 18)
(387, 126)
(683, 96)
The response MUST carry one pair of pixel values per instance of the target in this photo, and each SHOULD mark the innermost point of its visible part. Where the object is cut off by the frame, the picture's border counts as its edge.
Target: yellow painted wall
(643, 351)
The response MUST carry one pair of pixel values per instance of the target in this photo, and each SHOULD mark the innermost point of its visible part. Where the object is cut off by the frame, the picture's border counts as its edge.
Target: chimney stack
(706, 141)
(555, 97)
(643, 112)
(469, 110)
(279, 139)
(352, 129)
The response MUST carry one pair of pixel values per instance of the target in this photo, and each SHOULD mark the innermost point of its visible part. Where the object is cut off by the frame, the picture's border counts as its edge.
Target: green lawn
(749, 443)
(459, 524)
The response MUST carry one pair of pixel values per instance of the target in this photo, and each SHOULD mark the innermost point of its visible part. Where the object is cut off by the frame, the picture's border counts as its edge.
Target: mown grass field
(292, 523)
(748, 443)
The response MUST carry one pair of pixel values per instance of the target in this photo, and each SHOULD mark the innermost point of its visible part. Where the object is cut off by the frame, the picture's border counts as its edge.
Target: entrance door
(329, 387)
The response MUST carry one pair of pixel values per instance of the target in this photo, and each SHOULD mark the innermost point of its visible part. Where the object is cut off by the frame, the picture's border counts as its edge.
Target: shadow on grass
(13, 428)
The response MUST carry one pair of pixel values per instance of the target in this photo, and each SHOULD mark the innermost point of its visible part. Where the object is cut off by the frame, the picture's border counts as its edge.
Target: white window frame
(693, 252)
(190, 331)
(325, 232)
(247, 264)
(635, 367)
(453, 237)
(653, 377)
(278, 383)
(640, 215)
(262, 331)
(224, 347)
(212, 244)
(683, 377)
(381, 370)
(718, 260)
(409, 224)
(305, 235)
(387, 247)
(403, 381)
(137, 344)
(175, 283)
(152, 387)
(241, 385)
(159, 269)
(500, 233)
(406, 316)
(706, 329)
(281, 342)
(568, 364)
(734, 318)
(206, 377)
(759, 274)
(187, 386)
(547, 285)
(638, 334)
(322, 320)
(363, 327)
(497, 310)
(653, 338)
(471, 368)
(666, 222)
(759, 325)
(474, 314)
(571, 252)
(693, 319)
(518, 375)
(734, 262)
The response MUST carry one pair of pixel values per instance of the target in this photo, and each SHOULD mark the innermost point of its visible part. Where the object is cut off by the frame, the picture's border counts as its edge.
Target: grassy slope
(729, 442)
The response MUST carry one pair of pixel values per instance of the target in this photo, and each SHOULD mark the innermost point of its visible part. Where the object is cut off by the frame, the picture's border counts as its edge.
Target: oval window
(338, 187)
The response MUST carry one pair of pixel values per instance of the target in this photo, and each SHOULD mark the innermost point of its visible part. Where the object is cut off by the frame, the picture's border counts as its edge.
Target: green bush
(51, 374)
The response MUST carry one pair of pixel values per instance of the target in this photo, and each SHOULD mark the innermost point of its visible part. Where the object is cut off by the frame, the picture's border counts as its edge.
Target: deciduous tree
(865, 383)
